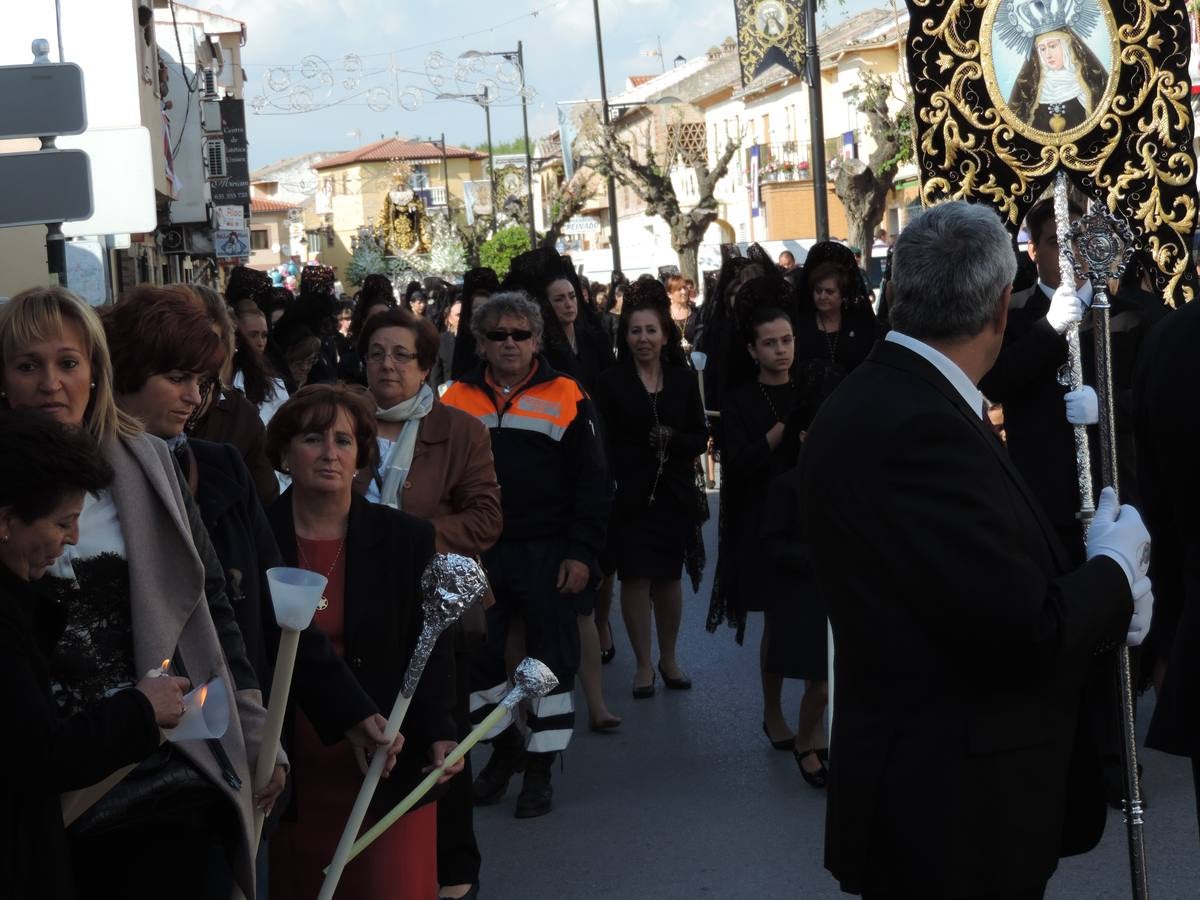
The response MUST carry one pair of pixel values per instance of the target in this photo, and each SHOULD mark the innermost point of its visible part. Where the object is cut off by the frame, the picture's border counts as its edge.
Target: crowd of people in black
(157, 458)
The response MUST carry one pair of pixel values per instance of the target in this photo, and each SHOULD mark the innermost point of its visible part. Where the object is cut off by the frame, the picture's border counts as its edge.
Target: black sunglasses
(501, 336)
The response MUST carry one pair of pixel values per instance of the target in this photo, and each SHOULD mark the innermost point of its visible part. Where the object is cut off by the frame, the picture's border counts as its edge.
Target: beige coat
(171, 616)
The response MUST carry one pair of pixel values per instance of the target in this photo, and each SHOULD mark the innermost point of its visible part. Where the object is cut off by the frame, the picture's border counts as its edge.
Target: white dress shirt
(958, 379)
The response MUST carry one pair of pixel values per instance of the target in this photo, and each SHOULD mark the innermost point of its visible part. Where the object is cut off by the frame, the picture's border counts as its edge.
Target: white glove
(1083, 408)
(1066, 309)
(1143, 613)
(1118, 533)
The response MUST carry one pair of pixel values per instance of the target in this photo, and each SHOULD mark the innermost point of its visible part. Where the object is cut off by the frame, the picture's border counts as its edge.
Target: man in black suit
(1167, 429)
(961, 767)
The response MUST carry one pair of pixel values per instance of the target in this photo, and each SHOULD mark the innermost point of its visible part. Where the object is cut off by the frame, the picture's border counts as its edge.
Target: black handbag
(163, 790)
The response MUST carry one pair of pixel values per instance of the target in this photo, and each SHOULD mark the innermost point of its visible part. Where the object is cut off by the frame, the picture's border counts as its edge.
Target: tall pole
(445, 172)
(816, 122)
(528, 149)
(487, 118)
(613, 237)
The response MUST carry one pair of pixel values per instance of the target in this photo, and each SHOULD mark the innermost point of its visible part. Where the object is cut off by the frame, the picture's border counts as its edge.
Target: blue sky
(395, 43)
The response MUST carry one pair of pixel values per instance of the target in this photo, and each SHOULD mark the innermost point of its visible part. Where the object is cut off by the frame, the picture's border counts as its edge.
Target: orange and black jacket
(549, 455)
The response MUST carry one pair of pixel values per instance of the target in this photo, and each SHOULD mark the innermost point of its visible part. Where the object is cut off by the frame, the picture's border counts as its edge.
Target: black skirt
(796, 617)
(650, 543)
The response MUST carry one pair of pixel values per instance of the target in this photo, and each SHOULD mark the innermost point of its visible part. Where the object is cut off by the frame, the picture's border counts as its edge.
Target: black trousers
(457, 849)
(524, 575)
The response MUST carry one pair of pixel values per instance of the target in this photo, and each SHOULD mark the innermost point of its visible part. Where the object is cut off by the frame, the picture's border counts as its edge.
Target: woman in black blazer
(45, 470)
(654, 428)
(373, 557)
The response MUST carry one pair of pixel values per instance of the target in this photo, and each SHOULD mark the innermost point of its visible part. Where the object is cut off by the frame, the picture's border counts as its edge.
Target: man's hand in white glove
(1143, 613)
(1083, 407)
(1118, 533)
(1066, 309)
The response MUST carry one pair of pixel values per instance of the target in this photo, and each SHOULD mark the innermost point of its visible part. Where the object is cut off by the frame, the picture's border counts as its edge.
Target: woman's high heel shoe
(818, 779)
(645, 691)
(788, 743)
(682, 683)
(606, 656)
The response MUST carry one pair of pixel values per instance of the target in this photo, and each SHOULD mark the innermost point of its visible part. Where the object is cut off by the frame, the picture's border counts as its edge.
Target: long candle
(341, 856)
(426, 785)
(281, 686)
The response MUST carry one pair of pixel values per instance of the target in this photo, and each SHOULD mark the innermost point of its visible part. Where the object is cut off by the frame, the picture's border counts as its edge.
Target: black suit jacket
(1167, 429)
(960, 763)
(386, 553)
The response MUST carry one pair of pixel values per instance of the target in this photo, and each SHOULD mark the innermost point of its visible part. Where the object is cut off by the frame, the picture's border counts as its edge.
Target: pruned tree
(651, 181)
(863, 187)
(568, 201)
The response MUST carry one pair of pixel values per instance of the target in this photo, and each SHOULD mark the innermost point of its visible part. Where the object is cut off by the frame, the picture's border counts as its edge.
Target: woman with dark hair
(654, 428)
(163, 400)
(1061, 82)
(435, 463)
(373, 558)
(761, 442)
(572, 346)
(611, 311)
(835, 324)
(46, 470)
(478, 285)
(142, 585)
(225, 415)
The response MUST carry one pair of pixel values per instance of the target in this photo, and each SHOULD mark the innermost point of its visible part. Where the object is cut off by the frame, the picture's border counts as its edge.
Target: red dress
(402, 863)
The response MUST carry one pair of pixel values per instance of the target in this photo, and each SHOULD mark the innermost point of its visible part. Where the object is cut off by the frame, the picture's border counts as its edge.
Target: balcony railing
(437, 195)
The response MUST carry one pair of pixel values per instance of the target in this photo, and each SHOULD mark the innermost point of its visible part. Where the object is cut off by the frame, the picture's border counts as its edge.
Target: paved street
(689, 800)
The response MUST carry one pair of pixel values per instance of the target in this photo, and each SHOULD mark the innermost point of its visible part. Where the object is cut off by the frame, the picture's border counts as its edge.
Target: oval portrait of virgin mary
(1050, 65)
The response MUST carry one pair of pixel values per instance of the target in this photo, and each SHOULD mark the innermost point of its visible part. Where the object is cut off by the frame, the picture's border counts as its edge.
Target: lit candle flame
(202, 694)
(166, 664)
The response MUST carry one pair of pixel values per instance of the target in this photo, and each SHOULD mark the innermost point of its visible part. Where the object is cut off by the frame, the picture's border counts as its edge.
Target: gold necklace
(324, 604)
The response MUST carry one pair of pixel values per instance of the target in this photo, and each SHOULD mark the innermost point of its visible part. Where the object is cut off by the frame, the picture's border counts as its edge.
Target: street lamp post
(613, 239)
(482, 99)
(517, 56)
(816, 122)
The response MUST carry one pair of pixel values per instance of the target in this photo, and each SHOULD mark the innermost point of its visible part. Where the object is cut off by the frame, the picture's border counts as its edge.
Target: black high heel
(645, 691)
(606, 656)
(818, 779)
(682, 683)
(788, 743)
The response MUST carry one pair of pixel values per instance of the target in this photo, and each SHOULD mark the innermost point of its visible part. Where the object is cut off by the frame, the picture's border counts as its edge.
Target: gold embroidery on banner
(1128, 150)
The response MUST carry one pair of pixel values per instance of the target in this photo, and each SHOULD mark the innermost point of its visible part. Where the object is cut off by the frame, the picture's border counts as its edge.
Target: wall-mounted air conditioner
(214, 159)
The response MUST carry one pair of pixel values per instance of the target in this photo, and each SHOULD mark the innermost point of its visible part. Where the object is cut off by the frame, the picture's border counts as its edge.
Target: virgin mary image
(1062, 79)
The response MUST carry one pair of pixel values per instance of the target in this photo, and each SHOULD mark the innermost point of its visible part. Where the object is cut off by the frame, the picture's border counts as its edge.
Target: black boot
(536, 793)
(508, 757)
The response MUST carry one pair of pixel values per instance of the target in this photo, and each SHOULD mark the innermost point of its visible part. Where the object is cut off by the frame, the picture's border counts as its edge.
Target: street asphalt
(688, 800)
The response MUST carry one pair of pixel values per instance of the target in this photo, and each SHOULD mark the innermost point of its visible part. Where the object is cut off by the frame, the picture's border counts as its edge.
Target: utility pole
(445, 171)
(816, 122)
(613, 237)
(528, 149)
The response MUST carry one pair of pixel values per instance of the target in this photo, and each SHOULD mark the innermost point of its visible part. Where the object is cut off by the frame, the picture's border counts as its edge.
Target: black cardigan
(44, 755)
(386, 553)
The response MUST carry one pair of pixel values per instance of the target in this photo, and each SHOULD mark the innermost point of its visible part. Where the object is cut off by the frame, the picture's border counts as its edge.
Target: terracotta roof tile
(397, 148)
(264, 205)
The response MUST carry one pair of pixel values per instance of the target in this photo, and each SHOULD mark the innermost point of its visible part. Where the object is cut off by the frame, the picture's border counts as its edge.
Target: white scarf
(399, 459)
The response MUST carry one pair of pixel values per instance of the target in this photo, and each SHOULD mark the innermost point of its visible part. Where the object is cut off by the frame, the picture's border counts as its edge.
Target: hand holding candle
(531, 679)
(450, 583)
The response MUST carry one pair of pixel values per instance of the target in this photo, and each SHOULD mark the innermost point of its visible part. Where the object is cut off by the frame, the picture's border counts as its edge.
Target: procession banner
(770, 32)
(1007, 94)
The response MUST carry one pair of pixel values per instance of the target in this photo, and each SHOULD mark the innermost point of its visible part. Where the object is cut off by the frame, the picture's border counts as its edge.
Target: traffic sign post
(51, 186)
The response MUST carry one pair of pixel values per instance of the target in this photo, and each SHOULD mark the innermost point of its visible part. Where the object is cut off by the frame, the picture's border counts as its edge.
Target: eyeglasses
(501, 336)
(399, 356)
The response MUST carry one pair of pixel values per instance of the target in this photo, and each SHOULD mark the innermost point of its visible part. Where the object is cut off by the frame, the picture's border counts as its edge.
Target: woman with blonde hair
(141, 589)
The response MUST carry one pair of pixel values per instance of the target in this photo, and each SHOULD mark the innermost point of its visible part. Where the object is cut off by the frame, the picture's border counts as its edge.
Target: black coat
(748, 466)
(1025, 380)
(1167, 429)
(386, 553)
(593, 355)
(44, 755)
(625, 411)
(322, 684)
(961, 764)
